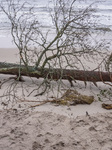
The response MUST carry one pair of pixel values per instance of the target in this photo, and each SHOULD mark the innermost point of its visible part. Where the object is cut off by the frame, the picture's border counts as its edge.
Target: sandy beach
(23, 130)
(51, 126)
(49, 121)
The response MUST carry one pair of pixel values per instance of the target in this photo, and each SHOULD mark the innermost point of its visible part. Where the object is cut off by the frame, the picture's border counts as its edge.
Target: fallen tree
(69, 38)
(56, 73)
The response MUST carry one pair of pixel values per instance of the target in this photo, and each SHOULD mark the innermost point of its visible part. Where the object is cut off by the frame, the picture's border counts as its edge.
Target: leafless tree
(71, 40)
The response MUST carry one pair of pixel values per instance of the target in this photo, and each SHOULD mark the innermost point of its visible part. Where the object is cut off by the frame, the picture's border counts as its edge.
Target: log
(56, 73)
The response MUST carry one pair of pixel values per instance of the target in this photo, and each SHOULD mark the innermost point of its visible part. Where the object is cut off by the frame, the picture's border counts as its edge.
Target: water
(103, 16)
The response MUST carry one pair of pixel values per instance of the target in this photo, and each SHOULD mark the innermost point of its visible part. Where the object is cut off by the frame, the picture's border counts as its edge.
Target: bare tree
(41, 54)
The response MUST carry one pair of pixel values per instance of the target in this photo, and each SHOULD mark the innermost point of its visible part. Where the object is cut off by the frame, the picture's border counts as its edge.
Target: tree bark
(55, 74)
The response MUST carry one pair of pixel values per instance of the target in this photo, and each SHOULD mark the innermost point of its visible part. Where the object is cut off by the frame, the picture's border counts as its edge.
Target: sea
(103, 15)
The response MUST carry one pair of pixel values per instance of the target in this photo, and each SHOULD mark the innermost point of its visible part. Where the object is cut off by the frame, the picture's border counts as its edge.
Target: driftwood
(72, 97)
(55, 74)
(107, 106)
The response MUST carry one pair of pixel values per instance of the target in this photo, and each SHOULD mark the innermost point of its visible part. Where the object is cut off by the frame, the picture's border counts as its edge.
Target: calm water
(103, 15)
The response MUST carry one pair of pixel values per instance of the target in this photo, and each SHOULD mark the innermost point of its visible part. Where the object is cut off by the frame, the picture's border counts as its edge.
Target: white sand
(49, 127)
(24, 130)
(9, 55)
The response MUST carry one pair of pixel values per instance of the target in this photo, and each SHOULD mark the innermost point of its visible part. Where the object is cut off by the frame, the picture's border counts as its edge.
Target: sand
(24, 130)
(51, 126)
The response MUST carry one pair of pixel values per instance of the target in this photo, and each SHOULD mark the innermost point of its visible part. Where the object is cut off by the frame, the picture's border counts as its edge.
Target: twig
(44, 102)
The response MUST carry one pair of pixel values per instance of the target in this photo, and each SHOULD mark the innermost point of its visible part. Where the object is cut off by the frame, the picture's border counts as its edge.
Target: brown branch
(55, 74)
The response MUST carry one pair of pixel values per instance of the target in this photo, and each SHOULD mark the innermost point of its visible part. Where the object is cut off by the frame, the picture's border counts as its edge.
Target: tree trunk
(55, 74)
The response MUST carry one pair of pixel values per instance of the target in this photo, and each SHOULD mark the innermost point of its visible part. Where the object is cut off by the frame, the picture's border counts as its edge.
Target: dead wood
(55, 74)
(72, 97)
(107, 106)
